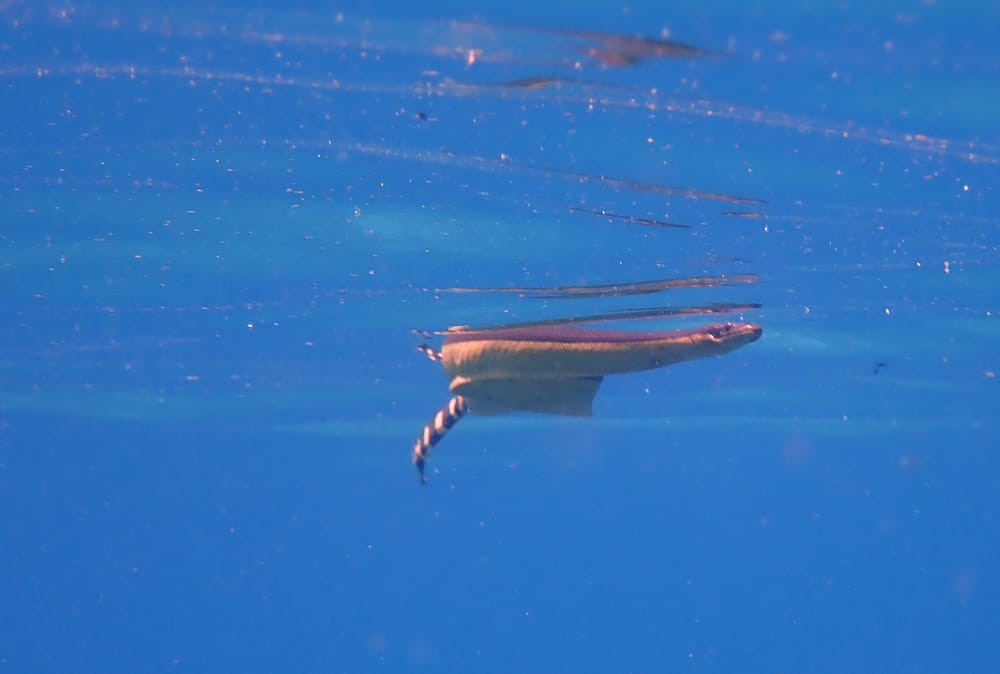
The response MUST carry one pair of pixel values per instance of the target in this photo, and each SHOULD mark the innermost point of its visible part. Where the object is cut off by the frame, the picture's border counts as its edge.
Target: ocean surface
(226, 227)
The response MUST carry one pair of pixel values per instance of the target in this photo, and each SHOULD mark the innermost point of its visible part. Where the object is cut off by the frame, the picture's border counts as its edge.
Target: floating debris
(749, 215)
(649, 222)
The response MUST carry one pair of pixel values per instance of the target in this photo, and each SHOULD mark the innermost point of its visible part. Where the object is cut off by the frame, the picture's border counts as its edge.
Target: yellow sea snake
(556, 369)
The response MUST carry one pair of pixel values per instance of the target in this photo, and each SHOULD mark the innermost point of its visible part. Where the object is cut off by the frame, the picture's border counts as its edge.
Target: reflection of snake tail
(446, 417)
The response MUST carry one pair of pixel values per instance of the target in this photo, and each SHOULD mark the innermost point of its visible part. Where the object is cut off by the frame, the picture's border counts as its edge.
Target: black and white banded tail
(446, 417)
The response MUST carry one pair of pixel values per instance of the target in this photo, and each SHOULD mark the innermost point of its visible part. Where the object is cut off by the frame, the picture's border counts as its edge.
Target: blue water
(219, 225)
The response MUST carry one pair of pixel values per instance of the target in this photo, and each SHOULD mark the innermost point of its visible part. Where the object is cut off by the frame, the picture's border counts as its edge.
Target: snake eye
(721, 331)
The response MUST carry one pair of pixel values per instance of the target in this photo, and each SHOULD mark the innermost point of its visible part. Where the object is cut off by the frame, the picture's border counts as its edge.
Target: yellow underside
(499, 375)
